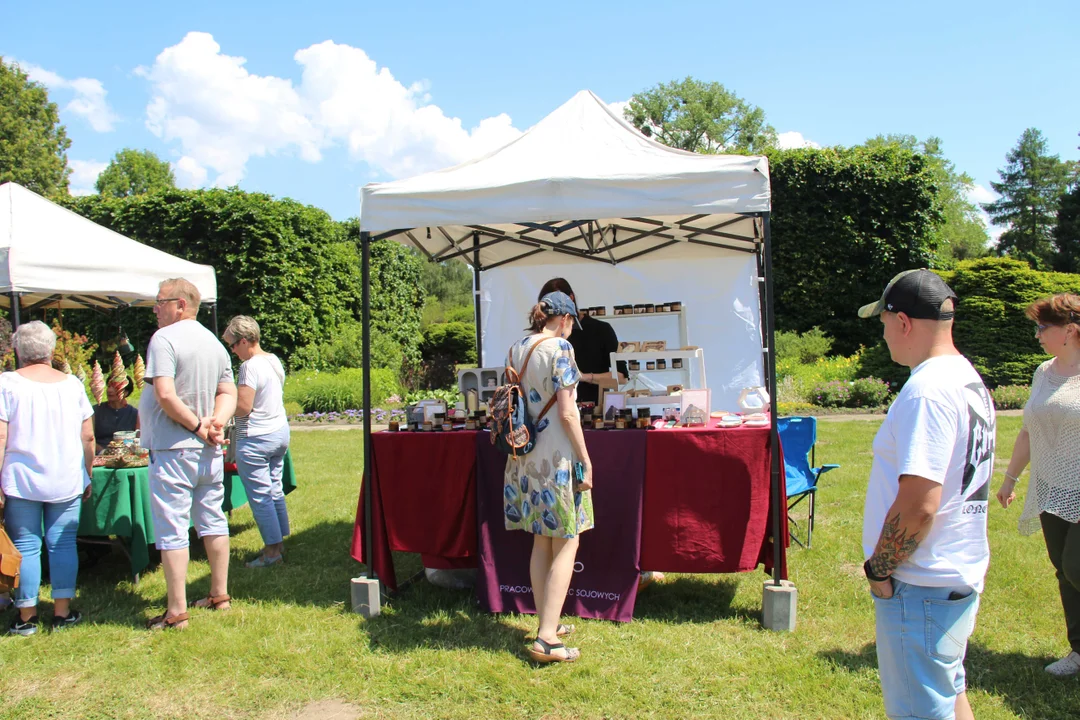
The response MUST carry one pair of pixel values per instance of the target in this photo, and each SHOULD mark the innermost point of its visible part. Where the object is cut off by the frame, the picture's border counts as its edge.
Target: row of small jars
(658, 364)
(635, 309)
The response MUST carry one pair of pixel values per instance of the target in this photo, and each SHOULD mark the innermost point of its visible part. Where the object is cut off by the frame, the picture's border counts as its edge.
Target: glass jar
(393, 426)
(634, 365)
(676, 363)
(661, 364)
(650, 365)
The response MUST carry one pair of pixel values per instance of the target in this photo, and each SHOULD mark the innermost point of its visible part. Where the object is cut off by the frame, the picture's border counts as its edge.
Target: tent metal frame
(87, 302)
(588, 240)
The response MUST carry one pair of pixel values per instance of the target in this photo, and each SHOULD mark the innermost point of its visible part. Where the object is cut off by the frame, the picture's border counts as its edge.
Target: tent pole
(365, 319)
(14, 309)
(476, 299)
(15, 319)
(213, 314)
(778, 512)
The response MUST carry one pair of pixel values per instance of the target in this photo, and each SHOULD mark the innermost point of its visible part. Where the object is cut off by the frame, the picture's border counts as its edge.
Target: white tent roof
(47, 251)
(583, 182)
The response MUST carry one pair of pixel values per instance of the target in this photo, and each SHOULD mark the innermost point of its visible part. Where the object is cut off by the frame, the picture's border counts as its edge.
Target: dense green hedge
(991, 328)
(844, 221)
(340, 391)
(290, 266)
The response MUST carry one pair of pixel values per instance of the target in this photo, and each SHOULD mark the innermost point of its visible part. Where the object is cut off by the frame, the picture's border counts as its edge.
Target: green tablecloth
(120, 505)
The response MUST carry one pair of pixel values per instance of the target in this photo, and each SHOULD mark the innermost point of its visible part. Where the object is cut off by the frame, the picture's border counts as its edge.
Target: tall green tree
(1031, 186)
(1067, 232)
(33, 143)
(703, 117)
(962, 235)
(134, 172)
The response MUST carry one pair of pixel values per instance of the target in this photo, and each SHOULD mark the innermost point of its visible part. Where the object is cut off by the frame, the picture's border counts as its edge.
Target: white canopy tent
(52, 257)
(585, 196)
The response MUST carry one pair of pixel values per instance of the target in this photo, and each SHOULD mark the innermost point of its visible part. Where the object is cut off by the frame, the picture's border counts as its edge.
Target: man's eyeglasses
(234, 343)
(1042, 328)
(162, 301)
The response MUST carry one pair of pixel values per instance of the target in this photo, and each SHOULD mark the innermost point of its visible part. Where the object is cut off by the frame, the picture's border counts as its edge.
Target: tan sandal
(572, 654)
(212, 602)
(168, 622)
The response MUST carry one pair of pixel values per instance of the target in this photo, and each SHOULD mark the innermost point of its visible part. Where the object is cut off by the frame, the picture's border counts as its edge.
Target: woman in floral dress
(540, 493)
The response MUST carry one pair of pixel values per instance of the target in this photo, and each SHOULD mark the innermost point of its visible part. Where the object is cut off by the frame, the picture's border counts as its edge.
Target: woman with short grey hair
(261, 436)
(47, 452)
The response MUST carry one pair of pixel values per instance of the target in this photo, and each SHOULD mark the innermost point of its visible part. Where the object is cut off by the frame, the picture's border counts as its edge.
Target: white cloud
(89, 101)
(978, 195)
(221, 115)
(84, 173)
(793, 139)
(618, 106)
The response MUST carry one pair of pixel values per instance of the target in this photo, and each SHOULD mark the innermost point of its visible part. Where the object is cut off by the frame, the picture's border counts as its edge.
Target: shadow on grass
(1017, 679)
(694, 599)
(426, 616)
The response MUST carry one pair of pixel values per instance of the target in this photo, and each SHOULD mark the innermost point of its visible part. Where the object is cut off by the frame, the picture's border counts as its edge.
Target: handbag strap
(521, 376)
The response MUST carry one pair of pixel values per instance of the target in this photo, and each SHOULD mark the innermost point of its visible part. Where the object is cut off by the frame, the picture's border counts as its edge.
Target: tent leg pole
(365, 591)
(213, 314)
(770, 384)
(476, 301)
(14, 309)
(15, 318)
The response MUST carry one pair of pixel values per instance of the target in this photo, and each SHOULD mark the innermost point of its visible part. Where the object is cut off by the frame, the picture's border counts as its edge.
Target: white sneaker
(1066, 666)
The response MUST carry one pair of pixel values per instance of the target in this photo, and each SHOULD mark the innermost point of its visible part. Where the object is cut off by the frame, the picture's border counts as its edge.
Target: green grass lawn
(695, 648)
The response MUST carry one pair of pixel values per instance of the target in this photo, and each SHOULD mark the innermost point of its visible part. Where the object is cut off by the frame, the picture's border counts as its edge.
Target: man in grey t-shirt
(192, 396)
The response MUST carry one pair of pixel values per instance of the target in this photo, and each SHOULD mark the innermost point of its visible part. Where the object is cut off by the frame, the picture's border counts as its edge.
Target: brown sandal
(167, 622)
(212, 602)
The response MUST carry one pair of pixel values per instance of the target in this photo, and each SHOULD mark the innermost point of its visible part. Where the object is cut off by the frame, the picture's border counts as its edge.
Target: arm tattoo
(894, 546)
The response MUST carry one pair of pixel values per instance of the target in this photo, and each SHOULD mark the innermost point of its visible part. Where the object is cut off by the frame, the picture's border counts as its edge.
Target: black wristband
(198, 424)
(869, 572)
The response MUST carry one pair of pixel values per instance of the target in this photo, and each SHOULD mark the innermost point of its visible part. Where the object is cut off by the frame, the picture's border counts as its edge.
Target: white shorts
(184, 485)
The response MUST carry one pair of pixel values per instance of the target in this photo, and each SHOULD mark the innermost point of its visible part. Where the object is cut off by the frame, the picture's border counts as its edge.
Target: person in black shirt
(594, 341)
(115, 414)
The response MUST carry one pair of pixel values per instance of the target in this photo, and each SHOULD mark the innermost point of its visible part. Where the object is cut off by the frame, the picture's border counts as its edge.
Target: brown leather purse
(10, 561)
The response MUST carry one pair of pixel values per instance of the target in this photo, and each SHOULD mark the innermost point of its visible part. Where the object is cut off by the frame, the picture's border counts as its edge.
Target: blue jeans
(261, 463)
(922, 637)
(25, 521)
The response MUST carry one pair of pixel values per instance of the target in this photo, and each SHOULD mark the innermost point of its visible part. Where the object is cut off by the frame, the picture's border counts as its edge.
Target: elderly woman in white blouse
(1050, 440)
(261, 436)
(47, 446)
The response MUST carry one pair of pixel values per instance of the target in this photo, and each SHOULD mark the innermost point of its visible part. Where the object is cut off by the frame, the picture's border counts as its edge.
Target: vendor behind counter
(115, 414)
(594, 341)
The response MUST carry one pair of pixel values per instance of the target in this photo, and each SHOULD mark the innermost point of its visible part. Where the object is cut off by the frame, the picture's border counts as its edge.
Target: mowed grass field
(695, 649)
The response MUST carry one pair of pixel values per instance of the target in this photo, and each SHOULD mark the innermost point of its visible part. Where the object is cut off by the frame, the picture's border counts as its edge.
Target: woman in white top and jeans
(47, 446)
(261, 436)
(1050, 439)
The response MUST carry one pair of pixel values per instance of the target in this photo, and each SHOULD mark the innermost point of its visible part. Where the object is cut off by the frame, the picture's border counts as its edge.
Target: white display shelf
(680, 315)
(654, 400)
(657, 355)
(692, 373)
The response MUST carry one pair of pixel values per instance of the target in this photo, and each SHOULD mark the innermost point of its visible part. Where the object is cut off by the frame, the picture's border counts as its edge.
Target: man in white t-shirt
(183, 413)
(924, 524)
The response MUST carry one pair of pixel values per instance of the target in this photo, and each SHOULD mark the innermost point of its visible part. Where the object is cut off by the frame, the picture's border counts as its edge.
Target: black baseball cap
(918, 294)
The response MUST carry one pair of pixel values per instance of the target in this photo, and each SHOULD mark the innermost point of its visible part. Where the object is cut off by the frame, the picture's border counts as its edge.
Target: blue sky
(335, 95)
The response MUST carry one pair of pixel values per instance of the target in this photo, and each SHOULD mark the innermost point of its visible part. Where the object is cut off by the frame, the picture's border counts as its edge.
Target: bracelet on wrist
(198, 424)
(1012, 477)
(870, 575)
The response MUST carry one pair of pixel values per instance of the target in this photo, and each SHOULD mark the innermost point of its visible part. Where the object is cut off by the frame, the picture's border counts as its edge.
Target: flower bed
(379, 416)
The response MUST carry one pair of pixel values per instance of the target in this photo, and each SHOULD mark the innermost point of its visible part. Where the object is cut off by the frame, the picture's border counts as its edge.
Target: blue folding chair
(798, 436)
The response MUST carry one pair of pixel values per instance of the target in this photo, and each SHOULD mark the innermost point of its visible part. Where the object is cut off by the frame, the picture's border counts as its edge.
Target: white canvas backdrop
(718, 289)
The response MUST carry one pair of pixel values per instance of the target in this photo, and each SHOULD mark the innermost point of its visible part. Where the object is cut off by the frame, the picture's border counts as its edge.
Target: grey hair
(34, 342)
(242, 327)
(182, 288)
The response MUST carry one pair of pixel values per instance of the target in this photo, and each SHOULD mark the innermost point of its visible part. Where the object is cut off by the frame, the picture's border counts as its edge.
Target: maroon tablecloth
(423, 500)
(706, 506)
(604, 584)
(705, 499)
